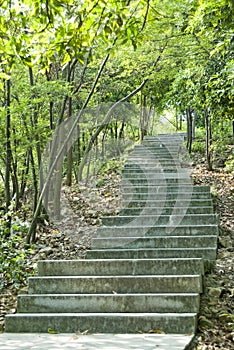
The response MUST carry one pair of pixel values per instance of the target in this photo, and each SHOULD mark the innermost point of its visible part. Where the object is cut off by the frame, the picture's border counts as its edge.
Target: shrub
(14, 263)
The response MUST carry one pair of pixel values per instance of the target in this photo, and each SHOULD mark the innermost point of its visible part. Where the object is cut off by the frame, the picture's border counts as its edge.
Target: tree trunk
(34, 125)
(34, 120)
(143, 117)
(151, 130)
(24, 174)
(233, 131)
(121, 132)
(189, 129)
(8, 155)
(69, 155)
(194, 125)
(208, 139)
(51, 115)
(177, 121)
(103, 141)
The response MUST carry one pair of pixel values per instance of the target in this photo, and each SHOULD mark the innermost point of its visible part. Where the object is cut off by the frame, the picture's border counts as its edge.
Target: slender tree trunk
(70, 153)
(35, 181)
(78, 153)
(8, 155)
(121, 132)
(34, 120)
(116, 130)
(24, 174)
(15, 184)
(143, 118)
(189, 129)
(34, 125)
(103, 140)
(194, 125)
(208, 139)
(233, 131)
(57, 180)
(151, 129)
(51, 115)
(78, 144)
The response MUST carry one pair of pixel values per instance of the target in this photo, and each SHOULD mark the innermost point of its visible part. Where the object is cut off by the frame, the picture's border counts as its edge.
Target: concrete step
(160, 210)
(155, 242)
(164, 188)
(144, 164)
(116, 267)
(157, 230)
(154, 181)
(158, 147)
(163, 141)
(155, 170)
(151, 153)
(115, 284)
(163, 146)
(166, 203)
(162, 175)
(154, 195)
(152, 157)
(180, 136)
(98, 341)
(141, 220)
(154, 147)
(154, 154)
(144, 161)
(158, 153)
(108, 303)
(153, 166)
(208, 253)
(173, 323)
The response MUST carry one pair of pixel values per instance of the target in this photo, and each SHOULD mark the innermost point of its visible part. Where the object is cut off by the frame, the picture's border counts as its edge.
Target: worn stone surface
(94, 342)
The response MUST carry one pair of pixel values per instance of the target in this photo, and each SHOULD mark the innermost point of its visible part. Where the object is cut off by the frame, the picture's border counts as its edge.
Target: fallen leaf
(51, 331)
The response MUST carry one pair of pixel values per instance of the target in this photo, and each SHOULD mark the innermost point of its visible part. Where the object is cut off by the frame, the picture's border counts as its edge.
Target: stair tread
(105, 294)
(115, 277)
(104, 314)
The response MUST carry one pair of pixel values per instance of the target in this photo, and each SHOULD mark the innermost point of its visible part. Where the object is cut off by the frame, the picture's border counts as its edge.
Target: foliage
(50, 56)
(229, 164)
(199, 147)
(14, 265)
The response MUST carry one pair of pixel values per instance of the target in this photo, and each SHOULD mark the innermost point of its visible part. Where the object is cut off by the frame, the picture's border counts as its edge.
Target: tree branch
(109, 114)
(63, 147)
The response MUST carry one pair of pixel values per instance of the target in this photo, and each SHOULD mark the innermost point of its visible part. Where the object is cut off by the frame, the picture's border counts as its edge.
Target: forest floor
(71, 238)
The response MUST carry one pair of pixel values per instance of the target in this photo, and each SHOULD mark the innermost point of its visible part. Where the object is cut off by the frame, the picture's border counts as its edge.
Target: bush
(229, 164)
(199, 147)
(14, 264)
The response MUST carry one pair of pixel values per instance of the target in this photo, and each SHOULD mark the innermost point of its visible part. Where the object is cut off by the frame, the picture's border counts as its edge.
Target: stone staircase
(145, 270)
